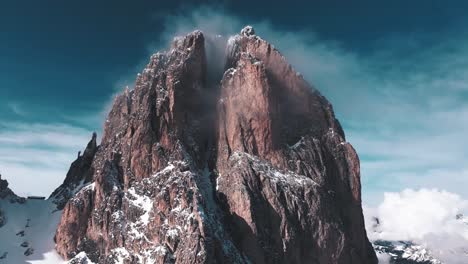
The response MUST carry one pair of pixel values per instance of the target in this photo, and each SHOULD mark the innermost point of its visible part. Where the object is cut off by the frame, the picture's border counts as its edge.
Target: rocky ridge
(79, 174)
(7, 194)
(195, 167)
(405, 252)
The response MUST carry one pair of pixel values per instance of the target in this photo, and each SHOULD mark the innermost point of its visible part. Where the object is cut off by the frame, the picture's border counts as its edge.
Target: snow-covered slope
(403, 252)
(28, 231)
(28, 226)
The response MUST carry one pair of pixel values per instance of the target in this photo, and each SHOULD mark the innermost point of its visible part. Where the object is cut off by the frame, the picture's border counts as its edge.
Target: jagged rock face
(4, 190)
(298, 209)
(251, 169)
(80, 173)
(160, 125)
(8, 194)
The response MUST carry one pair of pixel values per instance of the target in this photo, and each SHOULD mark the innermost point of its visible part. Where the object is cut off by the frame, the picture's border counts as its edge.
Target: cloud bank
(427, 217)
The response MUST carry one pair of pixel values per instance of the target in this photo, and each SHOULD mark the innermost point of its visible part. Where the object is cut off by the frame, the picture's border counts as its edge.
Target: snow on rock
(120, 255)
(80, 258)
(141, 201)
(248, 31)
(285, 178)
(89, 187)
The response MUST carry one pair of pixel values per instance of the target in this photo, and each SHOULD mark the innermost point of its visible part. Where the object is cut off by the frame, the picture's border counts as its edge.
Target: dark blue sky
(65, 57)
(395, 71)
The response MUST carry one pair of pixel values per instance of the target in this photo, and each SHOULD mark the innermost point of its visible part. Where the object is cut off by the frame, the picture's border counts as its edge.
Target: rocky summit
(217, 155)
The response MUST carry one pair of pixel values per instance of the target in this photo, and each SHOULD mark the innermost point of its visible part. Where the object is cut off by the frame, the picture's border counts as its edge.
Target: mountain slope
(27, 229)
(201, 165)
(28, 226)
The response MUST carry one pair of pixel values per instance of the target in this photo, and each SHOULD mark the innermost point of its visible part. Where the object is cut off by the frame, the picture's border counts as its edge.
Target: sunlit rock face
(245, 166)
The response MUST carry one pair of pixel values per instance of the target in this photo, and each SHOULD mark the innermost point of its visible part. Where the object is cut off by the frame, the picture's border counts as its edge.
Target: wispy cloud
(34, 158)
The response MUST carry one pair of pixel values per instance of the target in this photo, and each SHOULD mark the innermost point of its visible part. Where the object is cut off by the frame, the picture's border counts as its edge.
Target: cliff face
(79, 174)
(254, 168)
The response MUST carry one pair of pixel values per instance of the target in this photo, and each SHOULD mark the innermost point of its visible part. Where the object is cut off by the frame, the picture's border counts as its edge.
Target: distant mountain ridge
(27, 228)
(411, 252)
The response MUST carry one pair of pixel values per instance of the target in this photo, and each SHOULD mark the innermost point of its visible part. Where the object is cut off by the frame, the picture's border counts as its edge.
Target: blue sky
(396, 74)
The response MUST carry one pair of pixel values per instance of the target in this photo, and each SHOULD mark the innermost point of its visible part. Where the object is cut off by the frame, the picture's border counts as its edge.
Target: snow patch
(121, 254)
(248, 31)
(81, 258)
(275, 175)
(173, 233)
(140, 201)
(161, 250)
(89, 187)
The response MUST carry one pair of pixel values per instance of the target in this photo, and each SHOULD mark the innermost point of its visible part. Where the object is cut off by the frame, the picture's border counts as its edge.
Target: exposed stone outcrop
(79, 174)
(252, 169)
(7, 194)
(288, 178)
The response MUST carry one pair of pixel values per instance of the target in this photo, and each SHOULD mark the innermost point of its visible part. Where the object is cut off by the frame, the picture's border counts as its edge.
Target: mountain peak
(249, 166)
(248, 31)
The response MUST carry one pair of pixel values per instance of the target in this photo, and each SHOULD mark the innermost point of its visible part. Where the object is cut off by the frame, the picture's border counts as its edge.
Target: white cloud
(426, 217)
(35, 158)
(415, 214)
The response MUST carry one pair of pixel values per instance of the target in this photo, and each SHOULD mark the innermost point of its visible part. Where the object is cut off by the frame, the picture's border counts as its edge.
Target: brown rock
(289, 180)
(254, 169)
(79, 174)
